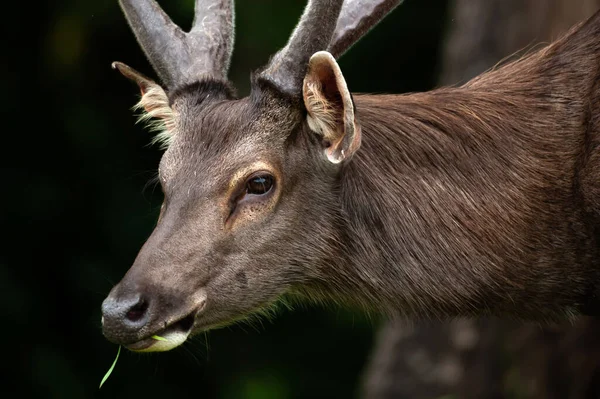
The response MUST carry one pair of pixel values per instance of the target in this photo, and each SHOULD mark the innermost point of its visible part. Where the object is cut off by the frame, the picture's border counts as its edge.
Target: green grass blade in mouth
(156, 337)
(110, 370)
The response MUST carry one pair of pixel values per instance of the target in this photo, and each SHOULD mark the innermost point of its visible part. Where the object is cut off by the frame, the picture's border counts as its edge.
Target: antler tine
(314, 31)
(356, 19)
(213, 29)
(159, 37)
(178, 57)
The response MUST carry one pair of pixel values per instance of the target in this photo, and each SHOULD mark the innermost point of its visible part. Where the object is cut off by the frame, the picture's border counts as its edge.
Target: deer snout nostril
(125, 316)
(137, 311)
(132, 310)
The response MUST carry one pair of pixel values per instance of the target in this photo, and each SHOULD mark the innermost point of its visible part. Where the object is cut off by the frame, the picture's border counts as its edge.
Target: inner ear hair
(156, 113)
(324, 103)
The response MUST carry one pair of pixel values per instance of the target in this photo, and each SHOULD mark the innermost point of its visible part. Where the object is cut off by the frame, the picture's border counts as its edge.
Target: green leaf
(110, 370)
(156, 337)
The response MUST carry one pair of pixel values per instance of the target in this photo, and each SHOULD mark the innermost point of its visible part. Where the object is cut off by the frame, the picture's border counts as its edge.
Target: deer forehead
(225, 143)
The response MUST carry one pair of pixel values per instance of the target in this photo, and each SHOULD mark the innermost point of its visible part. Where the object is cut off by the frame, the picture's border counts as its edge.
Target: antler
(356, 19)
(178, 57)
(313, 33)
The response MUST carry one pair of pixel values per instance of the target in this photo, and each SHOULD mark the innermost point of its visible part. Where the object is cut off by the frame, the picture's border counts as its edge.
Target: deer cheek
(251, 212)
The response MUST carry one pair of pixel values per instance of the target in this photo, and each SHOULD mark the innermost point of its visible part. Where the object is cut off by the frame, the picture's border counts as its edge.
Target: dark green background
(77, 206)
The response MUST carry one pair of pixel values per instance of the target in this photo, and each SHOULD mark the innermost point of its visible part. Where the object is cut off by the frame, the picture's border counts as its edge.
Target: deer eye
(255, 194)
(259, 184)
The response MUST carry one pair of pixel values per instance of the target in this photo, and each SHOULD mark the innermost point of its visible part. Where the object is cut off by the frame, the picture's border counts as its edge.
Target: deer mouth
(167, 338)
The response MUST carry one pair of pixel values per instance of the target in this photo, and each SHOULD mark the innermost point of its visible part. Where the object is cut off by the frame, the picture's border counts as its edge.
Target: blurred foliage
(78, 206)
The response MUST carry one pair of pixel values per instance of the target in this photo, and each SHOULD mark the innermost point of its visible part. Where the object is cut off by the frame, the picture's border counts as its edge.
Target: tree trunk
(491, 358)
(481, 33)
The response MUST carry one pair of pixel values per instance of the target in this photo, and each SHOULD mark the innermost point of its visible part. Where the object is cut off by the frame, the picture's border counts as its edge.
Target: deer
(476, 199)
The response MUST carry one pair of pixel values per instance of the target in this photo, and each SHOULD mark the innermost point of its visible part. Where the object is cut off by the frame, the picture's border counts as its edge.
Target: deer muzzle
(148, 323)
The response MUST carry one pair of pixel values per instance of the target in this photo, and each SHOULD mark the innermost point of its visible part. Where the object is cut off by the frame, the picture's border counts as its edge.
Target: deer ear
(154, 101)
(330, 107)
(142, 81)
(148, 88)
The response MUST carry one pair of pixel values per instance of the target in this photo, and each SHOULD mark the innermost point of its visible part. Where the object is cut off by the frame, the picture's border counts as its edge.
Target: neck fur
(461, 201)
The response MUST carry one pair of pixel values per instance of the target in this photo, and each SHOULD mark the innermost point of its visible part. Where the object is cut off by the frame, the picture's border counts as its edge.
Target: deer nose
(123, 318)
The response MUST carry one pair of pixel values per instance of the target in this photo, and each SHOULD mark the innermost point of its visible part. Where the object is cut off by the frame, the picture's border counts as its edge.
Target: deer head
(250, 184)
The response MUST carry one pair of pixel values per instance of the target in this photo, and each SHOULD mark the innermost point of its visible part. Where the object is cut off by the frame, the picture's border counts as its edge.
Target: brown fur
(482, 198)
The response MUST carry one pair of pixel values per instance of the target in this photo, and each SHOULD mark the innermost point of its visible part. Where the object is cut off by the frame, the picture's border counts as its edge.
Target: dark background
(77, 206)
